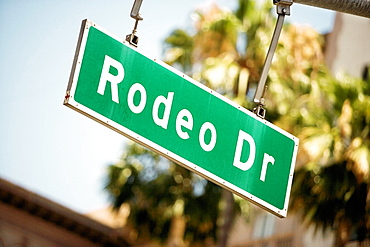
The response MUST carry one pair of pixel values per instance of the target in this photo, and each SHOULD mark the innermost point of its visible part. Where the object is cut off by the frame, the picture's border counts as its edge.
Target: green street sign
(172, 114)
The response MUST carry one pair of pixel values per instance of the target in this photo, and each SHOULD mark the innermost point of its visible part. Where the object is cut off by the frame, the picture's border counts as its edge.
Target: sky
(46, 147)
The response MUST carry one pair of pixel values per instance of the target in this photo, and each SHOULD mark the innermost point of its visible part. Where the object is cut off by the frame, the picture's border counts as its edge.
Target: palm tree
(163, 198)
(333, 187)
(218, 58)
(227, 49)
(331, 118)
(329, 115)
(226, 52)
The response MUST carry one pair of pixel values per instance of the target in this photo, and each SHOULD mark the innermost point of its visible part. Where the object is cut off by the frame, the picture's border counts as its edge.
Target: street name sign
(170, 113)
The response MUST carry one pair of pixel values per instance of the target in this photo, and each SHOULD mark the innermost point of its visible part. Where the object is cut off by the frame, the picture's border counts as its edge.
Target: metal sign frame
(72, 103)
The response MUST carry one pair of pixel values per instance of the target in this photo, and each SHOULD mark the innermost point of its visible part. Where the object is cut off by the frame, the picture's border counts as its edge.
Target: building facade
(30, 220)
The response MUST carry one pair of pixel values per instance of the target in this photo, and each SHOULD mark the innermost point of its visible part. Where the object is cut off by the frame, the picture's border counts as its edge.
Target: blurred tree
(332, 188)
(226, 52)
(167, 202)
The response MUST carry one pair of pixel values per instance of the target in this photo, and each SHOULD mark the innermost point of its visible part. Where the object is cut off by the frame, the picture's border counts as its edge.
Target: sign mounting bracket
(282, 9)
(132, 38)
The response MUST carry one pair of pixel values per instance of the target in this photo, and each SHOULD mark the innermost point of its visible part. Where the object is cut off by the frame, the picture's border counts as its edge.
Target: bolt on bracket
(132, 38)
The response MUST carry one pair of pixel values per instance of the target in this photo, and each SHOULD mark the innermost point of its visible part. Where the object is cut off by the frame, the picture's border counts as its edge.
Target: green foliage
(329, 197)
(331, 117)
(179, 50)
(331, 190)
(157, 189)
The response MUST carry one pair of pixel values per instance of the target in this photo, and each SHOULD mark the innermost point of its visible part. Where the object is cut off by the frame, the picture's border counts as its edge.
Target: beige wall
(348, 45)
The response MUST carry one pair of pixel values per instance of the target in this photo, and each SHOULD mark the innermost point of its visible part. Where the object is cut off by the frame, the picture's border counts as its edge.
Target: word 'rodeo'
(184, 119)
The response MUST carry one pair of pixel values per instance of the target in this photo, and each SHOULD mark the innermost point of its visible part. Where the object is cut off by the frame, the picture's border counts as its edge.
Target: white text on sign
(184, 118)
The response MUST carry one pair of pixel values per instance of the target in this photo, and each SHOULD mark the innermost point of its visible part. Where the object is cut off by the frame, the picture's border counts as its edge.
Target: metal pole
(258, 97)
(282, 9)
(354, 7)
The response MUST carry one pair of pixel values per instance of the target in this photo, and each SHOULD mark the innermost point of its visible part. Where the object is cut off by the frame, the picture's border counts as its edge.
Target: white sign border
(70, 102)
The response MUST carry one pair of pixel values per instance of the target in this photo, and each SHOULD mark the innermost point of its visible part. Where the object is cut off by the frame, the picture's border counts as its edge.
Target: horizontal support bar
(354, 7)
